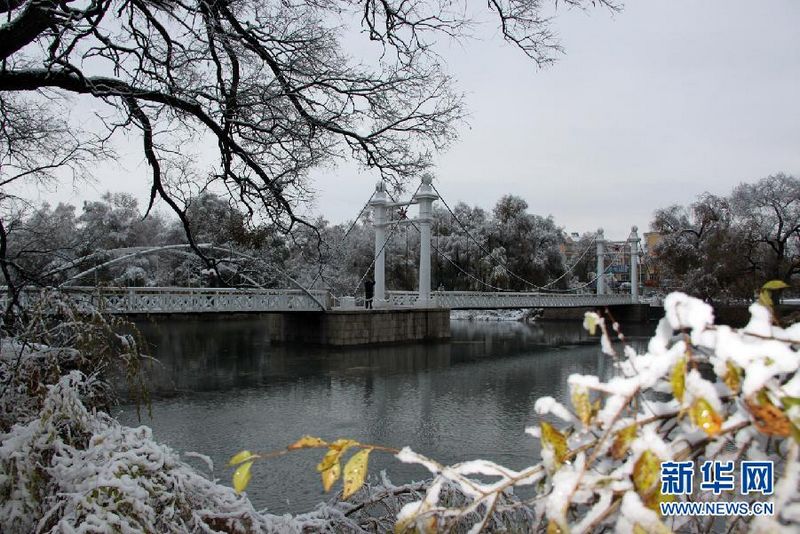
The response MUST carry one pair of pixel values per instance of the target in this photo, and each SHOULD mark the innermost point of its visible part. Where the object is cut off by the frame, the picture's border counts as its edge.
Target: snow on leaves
(601, 464)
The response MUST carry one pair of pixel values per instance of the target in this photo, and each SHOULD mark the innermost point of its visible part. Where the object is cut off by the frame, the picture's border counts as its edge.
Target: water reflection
(222, 387)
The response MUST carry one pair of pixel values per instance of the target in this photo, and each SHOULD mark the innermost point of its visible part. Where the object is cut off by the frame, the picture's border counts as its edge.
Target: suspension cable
(499, 262)
(385, 242)
(470, 275)
(342, 240)
(355, 221)
(208, 246)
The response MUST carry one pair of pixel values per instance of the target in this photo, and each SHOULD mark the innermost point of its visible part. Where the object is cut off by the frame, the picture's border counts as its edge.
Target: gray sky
(647, 108)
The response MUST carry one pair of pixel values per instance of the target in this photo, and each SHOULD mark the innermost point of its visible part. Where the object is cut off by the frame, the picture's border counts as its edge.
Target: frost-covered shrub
(50, 336)
(73, 470)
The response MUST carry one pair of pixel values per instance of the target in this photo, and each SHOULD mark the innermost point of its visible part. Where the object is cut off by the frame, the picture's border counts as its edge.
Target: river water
(221, 387)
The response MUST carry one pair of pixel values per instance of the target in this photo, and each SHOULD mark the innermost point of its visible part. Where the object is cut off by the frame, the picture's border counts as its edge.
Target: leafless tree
(268, 82)
(769, 213)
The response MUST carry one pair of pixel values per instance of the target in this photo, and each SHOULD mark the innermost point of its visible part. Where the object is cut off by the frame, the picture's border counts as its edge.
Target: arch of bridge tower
(381, 206)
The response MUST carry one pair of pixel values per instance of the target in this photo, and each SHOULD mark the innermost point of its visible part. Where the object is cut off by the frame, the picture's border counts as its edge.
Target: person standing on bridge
(369, 292)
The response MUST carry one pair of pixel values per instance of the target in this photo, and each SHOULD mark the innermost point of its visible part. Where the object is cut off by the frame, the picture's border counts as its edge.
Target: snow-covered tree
(768, 215)
(531, 243)
(726, 246)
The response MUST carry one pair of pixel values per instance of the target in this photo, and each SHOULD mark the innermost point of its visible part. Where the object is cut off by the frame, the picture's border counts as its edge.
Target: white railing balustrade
(131, 300)
(152, 300)
(476, 300)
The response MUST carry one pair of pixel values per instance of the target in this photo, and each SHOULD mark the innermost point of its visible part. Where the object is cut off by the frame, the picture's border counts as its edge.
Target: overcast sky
(647, 108)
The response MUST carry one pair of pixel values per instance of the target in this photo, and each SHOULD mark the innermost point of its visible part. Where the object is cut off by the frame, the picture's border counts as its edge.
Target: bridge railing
(485, 300)
(131, 300)
(154, 300)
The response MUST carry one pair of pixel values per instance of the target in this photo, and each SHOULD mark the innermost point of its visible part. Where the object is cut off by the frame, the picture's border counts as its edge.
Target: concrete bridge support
(633, 240)
(342, 328)
(425, 197)
(380, 216)
(600, 277)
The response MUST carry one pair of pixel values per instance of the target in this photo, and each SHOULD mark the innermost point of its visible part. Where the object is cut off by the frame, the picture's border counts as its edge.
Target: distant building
(651, 276)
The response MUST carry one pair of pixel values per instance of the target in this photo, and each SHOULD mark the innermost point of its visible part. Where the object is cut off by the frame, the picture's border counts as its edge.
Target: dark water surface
(221, 387)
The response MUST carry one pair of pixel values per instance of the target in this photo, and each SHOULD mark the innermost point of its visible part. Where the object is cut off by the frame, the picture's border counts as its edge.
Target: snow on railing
(188, 300)
(472, 300)
(132, 300)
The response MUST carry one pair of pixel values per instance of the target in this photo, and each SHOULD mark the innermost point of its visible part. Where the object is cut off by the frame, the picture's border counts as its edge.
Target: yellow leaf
(429, 525)
(596, 405)
(355, 471)
(775, 284)
(241, 477)
(330, 467)
(555, 441)
(335, 451)
(733, 377)
(343, 444)
(768, 418)
(623, 442)
(703, 415)
(646, 472)
(678, 379)
(330, 476)
(654, 500)
(242, 457)
(590, 322)
(580, 401)
(307, 442)
(401, 527)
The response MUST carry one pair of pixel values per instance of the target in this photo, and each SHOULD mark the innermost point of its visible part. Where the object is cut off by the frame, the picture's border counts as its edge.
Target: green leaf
(795, 433)
(788, 401)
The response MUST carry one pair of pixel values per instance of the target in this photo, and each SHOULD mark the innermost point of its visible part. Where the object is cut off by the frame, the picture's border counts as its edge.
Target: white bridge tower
(381, 207)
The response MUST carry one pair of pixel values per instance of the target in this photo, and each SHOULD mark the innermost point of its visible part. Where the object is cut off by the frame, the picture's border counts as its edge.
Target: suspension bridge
(390, 307)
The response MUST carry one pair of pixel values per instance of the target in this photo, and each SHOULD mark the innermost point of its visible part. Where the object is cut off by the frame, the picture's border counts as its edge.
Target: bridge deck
(156, 300)
(478, 300)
